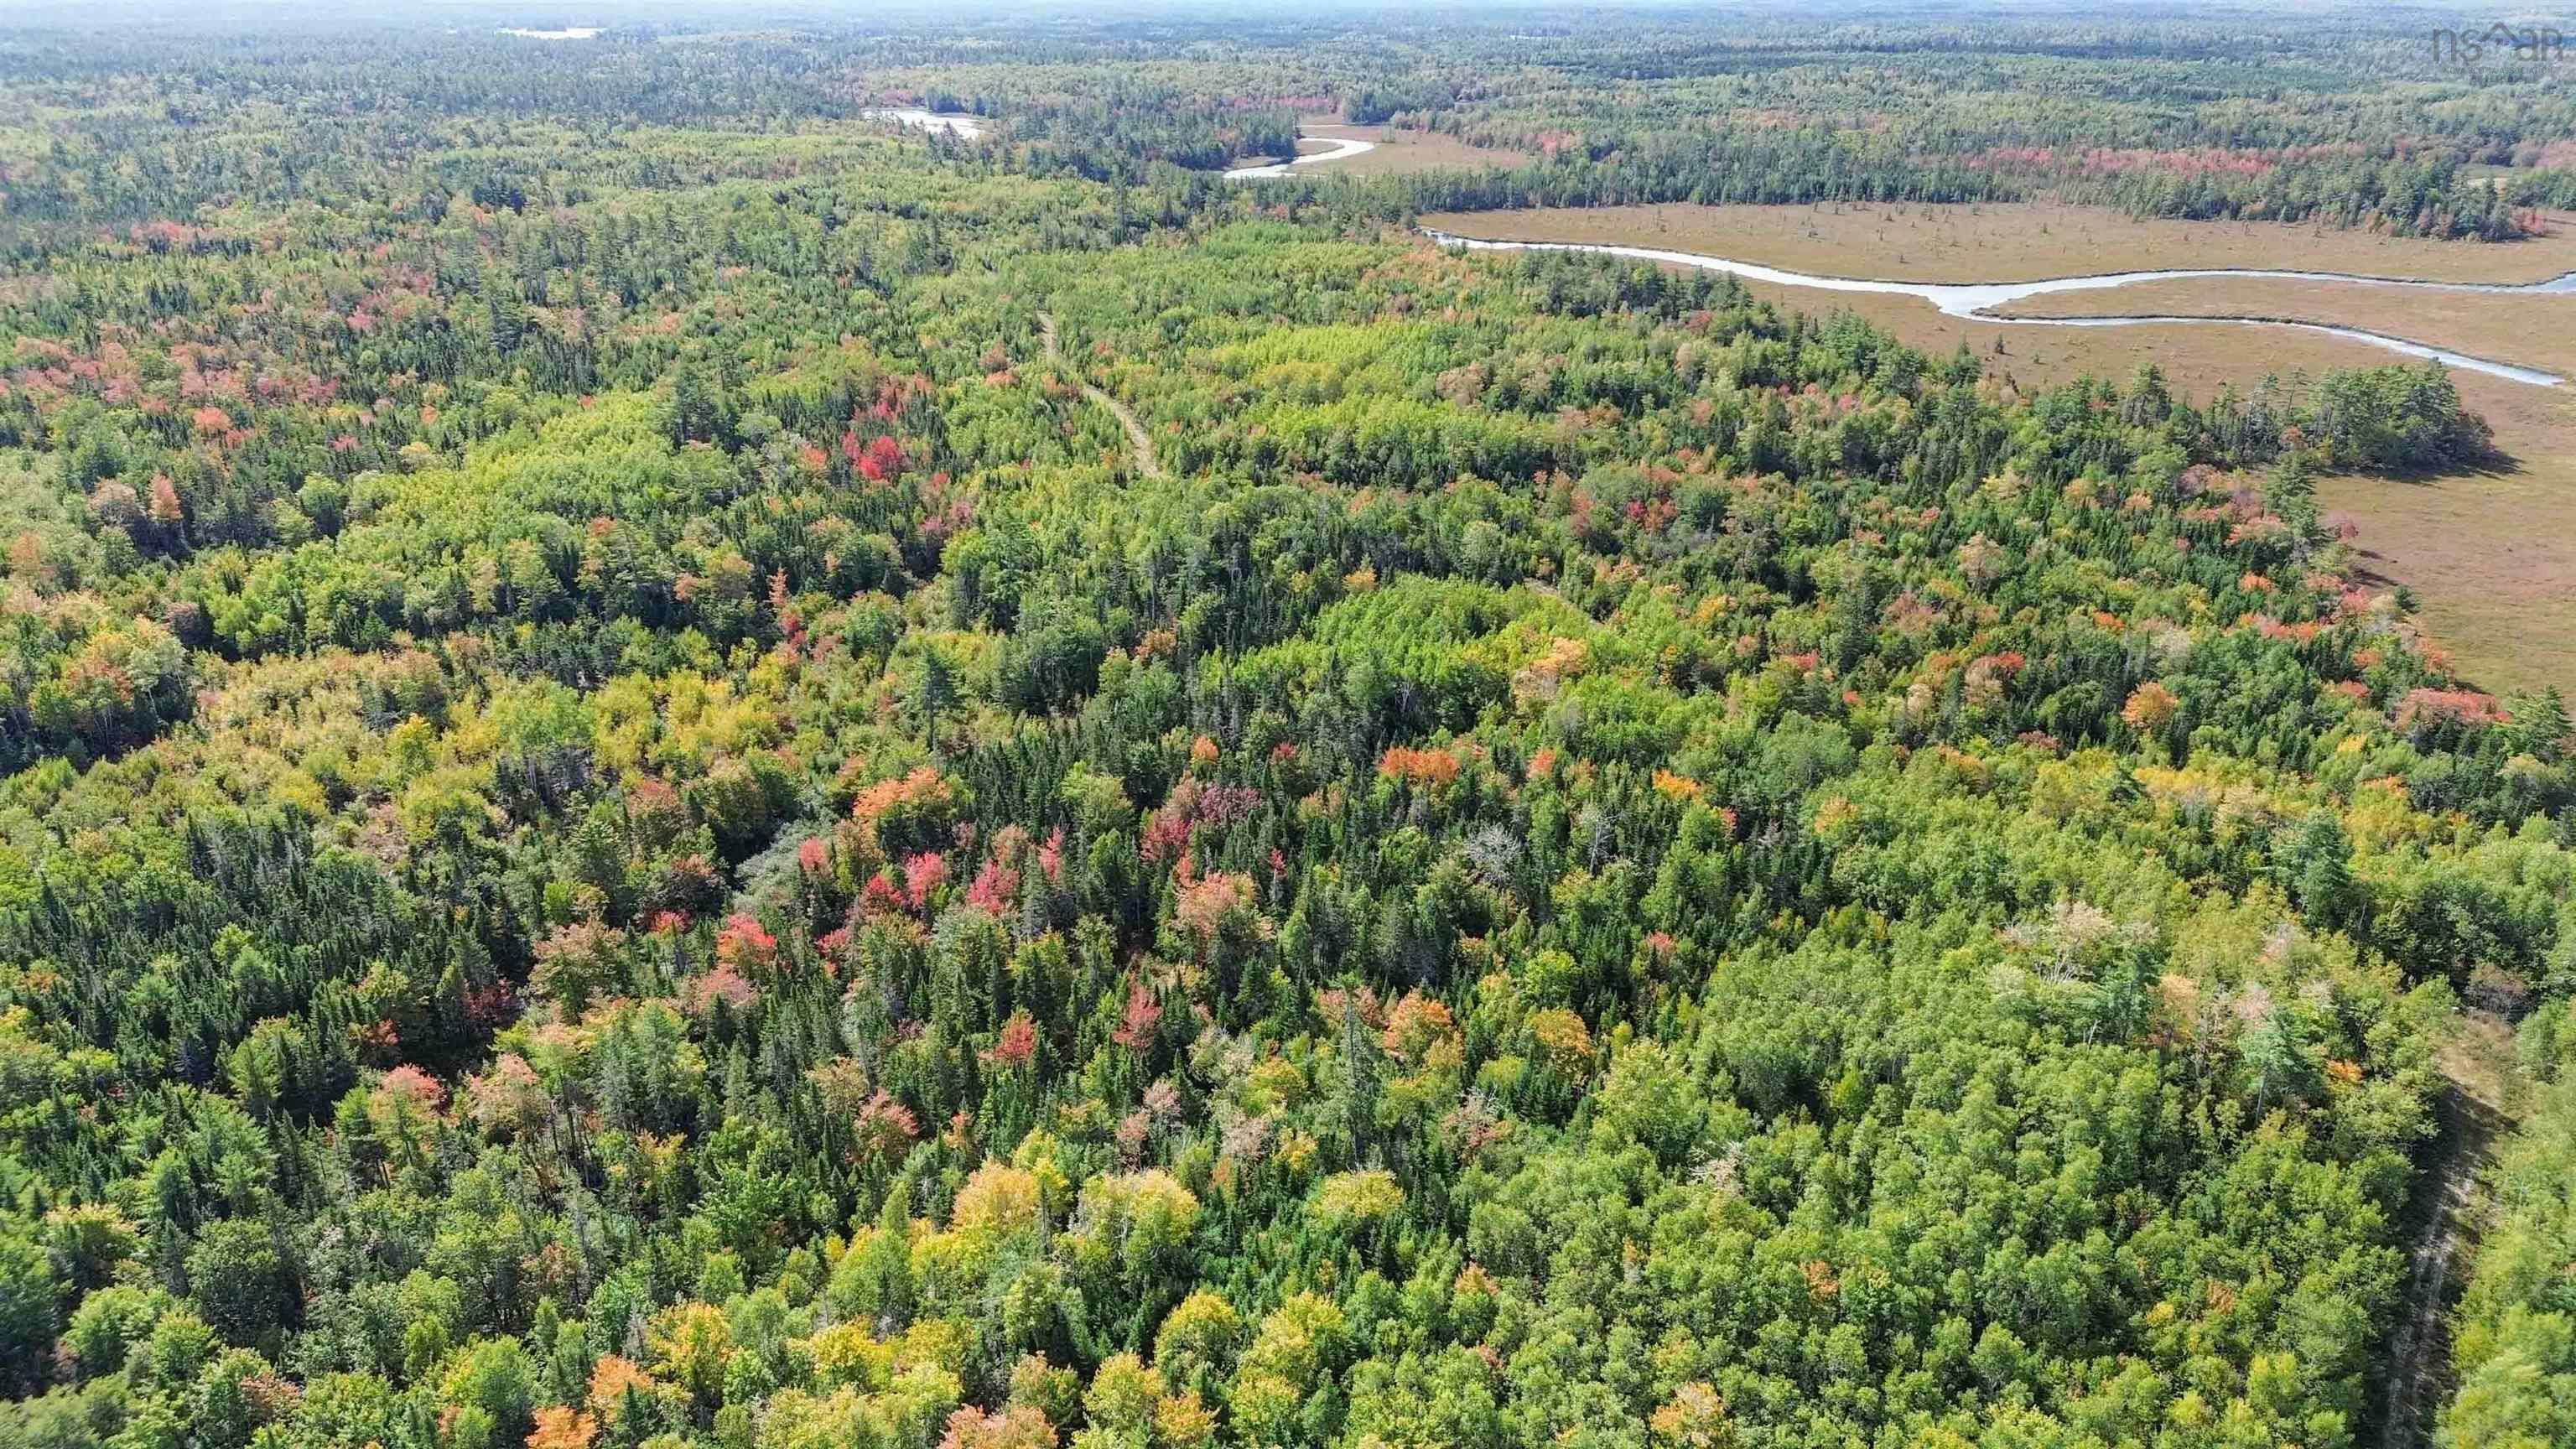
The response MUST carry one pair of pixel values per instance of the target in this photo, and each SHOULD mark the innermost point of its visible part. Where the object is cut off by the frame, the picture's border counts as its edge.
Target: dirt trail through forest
(2476, 1107)
(1137, 438)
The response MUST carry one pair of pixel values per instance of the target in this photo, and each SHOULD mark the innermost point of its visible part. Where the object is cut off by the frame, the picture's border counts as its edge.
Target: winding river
(1343, 149)
(1977, 300)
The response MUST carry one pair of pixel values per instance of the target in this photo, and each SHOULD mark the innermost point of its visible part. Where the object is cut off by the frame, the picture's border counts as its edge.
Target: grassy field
(2011, 241)
(2538, 330)
(2491, 556)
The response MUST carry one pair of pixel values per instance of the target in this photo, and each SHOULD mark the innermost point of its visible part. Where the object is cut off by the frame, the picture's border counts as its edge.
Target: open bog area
(1997, 241)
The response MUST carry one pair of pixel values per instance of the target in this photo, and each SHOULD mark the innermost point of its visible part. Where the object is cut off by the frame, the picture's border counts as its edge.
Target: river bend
(1977, 300)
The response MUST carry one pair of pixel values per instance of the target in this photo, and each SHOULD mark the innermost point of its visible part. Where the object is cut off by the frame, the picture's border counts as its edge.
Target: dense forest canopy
(2382, 118)
(628, 820)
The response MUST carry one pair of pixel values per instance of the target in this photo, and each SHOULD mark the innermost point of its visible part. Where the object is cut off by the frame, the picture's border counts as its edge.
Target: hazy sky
(547, 14)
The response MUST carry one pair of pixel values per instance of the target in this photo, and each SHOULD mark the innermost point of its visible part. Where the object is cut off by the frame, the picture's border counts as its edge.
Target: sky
(253, 15)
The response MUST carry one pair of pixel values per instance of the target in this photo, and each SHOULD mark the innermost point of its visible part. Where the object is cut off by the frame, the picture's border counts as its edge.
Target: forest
(629, 819)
